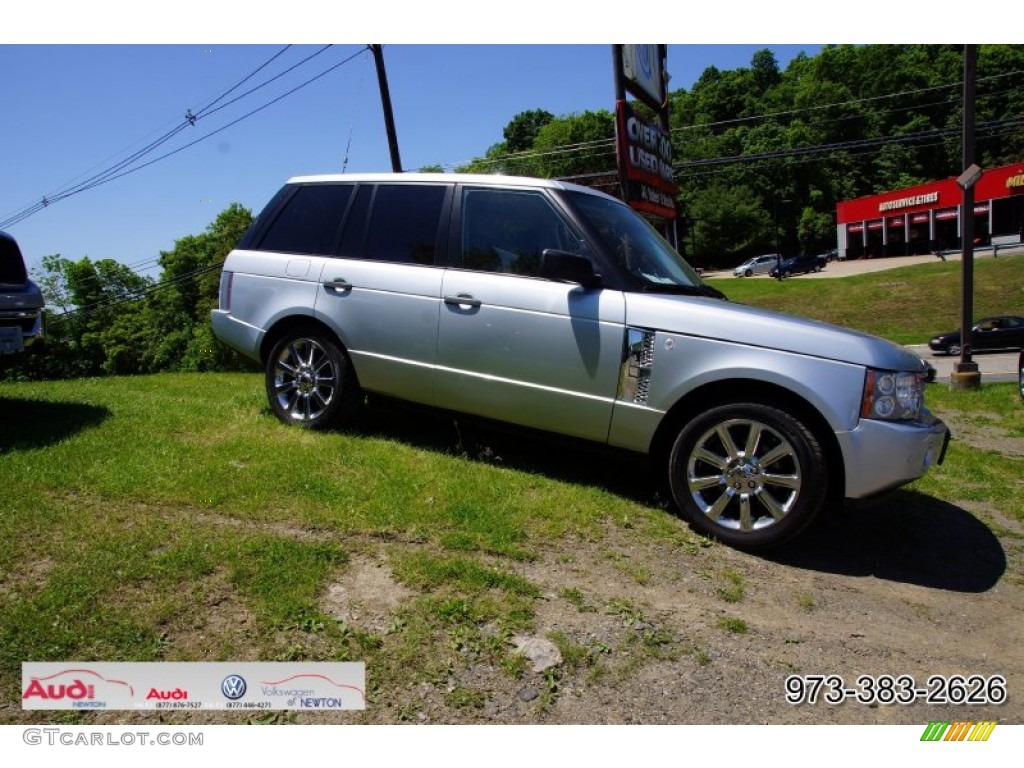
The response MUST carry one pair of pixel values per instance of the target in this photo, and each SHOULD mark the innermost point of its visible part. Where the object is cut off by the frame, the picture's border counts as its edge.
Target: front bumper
(882, 455)
(19, 329)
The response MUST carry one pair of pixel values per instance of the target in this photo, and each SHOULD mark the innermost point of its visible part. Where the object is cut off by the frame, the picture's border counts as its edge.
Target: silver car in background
(552, 306)
(757, 265)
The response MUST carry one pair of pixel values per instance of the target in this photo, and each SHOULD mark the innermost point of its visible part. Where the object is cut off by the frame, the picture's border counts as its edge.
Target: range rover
(556, 307)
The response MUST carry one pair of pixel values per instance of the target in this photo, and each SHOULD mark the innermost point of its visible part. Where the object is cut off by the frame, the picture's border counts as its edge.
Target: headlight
(892, 395)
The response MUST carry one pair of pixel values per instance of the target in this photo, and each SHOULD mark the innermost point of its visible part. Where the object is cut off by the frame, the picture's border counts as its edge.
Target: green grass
(907, 305)
(173, 518)
(733, 625)
(985, 461)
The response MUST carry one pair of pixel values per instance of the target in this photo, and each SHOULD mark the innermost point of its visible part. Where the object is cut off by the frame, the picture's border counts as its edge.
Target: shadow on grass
(906, 537)
(37, 423)
(627, 475)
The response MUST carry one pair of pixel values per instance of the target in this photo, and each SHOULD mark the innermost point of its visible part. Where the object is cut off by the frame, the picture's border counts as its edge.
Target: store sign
(642, 69)
(1015, 182)
(908, 202)
(645, 154)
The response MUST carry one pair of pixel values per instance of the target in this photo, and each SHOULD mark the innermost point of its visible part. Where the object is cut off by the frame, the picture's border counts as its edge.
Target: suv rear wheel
(309, 380)
(748, 474)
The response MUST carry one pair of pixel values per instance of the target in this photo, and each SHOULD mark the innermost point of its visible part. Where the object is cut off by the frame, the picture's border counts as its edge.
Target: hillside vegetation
(907, 305)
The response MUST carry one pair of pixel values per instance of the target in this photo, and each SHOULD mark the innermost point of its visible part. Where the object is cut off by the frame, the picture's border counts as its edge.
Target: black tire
(748, 273)
(309, 380)
(748, 474)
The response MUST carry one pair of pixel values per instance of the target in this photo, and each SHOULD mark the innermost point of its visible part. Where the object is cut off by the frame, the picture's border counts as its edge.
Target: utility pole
(385, 100)
(965, 372)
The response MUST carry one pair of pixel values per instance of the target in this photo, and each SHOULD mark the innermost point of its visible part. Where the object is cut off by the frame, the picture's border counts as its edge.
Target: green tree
(522, 130)
(179, 311)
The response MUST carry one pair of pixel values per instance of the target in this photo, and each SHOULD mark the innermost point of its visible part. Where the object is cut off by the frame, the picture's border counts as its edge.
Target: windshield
(635, 244)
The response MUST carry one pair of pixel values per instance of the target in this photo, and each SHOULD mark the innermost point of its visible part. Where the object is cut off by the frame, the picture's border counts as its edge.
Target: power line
(526, 155)
(121, 168)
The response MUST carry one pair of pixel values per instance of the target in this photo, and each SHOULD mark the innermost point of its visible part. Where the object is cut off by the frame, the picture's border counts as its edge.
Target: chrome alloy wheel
(305, 379)
(743, 475)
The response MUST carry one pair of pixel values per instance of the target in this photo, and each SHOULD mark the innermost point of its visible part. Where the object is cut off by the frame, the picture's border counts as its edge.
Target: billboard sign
(642, 67)
(645, 158)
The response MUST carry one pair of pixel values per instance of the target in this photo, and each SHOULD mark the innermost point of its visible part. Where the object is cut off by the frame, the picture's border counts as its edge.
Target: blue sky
(80, 109)
(86, 84)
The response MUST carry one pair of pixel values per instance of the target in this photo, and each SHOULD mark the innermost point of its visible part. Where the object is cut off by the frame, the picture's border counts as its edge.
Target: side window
(309, 221)
(404, 223)
(507, 231)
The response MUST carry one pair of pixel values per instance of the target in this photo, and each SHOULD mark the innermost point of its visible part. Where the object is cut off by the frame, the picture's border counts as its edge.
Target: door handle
(338, 284)
(462, 300)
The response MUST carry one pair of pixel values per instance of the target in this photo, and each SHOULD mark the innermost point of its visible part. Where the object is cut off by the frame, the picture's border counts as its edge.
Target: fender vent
(637, 362)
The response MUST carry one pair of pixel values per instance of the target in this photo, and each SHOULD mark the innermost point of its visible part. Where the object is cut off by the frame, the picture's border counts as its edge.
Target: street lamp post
(775, 226)
(965, 372)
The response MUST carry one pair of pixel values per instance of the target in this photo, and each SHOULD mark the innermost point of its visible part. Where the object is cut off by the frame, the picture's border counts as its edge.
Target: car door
(996, 333)
(516, 347)
(381, 293)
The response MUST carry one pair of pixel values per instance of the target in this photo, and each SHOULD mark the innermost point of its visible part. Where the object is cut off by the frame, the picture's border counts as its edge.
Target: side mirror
(568, 267)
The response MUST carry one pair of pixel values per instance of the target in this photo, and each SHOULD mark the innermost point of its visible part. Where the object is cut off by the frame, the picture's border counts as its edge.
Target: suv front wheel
(748, 474)
(309, 380)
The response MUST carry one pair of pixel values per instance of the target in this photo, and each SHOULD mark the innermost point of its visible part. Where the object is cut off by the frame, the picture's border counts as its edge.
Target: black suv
(799, 265)
(21, 302)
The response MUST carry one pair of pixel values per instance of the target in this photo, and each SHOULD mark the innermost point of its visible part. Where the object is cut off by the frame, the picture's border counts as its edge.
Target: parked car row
(773, 263)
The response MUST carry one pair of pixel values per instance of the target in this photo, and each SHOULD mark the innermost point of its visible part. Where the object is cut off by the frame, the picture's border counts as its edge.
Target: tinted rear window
(405, 223)
(309, 221)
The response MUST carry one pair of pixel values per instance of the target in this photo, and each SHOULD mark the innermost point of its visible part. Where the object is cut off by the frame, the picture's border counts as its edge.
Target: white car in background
(758, 265)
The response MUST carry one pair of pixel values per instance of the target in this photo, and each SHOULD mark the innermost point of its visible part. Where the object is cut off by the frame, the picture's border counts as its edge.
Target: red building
(926, 218)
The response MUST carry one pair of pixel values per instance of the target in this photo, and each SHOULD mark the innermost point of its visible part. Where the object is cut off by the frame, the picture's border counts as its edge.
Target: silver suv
(553, 306)
(21, 303)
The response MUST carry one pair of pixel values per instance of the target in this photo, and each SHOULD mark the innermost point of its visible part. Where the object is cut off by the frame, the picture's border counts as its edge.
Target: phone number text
(896, 689)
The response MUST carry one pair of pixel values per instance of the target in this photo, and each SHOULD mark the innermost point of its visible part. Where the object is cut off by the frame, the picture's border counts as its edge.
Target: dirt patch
(366, 595)
(982, 431)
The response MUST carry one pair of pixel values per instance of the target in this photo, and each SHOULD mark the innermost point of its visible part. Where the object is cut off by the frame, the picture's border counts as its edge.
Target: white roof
(490, 179)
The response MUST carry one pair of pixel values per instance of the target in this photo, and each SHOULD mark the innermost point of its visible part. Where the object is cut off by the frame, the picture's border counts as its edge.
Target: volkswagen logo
(233, 687)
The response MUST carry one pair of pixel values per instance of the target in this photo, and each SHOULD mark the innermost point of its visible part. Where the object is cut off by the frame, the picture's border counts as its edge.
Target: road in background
(994, 366)
(862, 266)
